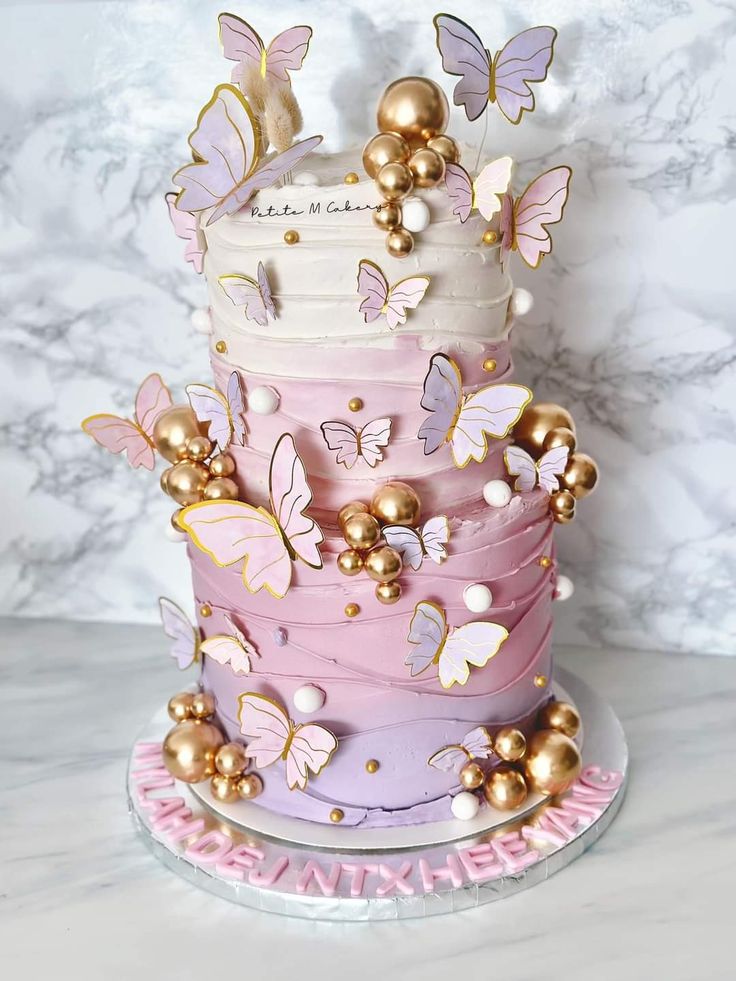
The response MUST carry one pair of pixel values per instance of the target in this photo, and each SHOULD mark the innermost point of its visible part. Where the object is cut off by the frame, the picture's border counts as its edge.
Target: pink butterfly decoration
(255, 296)
(357, 444)
(266, 542)
(414, 545)
(464, 421)
(544, 471)
(382, 301)
(273, 736)
(232, 648)
(476, 744)
(178, 627)
(224, 413)
(133, 436)
(503, 79)
(241, 43)
(187, 228)
(226, 171)
(524, 221)
(484, 193)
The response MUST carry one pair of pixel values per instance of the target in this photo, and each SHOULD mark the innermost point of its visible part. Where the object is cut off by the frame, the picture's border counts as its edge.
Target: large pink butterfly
(266, 542)
(241, 43)
(226, 172)
(273, 736)
(524, 220)
(484, 193)
(462, 420)
(224, 413)
(476, 744)
(355, 444)
(133, 436)
(186, 227)
(391, 303)
(254, 296)
(544, 471)
(503, 79)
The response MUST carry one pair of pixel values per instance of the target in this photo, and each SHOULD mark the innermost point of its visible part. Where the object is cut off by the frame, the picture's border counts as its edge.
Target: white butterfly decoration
(356, 444)
(414, 545)
(179, 628)
(232, 648)
(476, 744)
(543, 472)
(224, 413)
(452, 650)
(482, 193)
(255, 296)
(391, 302)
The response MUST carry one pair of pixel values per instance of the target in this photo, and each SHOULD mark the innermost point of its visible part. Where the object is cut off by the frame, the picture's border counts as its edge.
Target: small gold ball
(382, 149)
(354, 507)
(387, 216)
(399, 243)
(180, 706)
(509, 744)
(545, 561)
(561, 436)
(552, 762)
(221, 347)
(540, 680)
(489, 365)
(198, 448)
(291, 237)
(351, 178)
(446, 147)
(361, 531)
(394, 181)
(505, 788)
(231, 760)
(164, 479)
(471, 776)
(203, 705)
(187, 481)
(350, 562)
(388, 593)
(222, 465)
(562, 506)
(352, 610)
(372, 766)
(427, 167)
(249, 786)
(396, 503)
(561, 716)
(355, 405)
(205, 610)
(221, 489)
(223, 788)
(581, 475)
(383, 564)
(489, 237)
(336, 815)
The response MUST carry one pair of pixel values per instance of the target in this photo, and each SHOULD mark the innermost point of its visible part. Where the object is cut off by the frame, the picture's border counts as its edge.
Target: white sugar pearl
(565, 588)
(308, 699)
(414, 215)
(496, 493)
(477, 597)
(465, 805)
(201, 321)
(305, 178)
(263, 400)
(522, 302)
(173, 534)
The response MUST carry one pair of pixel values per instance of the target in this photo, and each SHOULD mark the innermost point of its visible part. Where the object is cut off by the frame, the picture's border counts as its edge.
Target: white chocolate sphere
(465, 805)
(201, 320)
(414, 215)
(263, 400)
(305, 178)
(477, 597)
(496, 493)
(522, 302)
(308, 699)
(173, 534)
(564, 588)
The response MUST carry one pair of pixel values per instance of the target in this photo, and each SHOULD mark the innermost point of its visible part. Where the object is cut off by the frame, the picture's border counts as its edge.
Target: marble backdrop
(633, 327)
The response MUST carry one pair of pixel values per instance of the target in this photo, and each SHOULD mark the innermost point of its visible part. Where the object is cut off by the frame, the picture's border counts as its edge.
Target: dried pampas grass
(283, 117)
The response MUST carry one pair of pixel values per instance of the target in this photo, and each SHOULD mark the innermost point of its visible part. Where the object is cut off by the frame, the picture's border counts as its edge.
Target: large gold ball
(361, 531)
(427, 167)
(581, 475)
(394, 181)
(399, 243)
(509, 744)
(173, 429)
(189, 750)
(561, 716)
(249, 786)
(505, 788)
(203, 705)
(221, 489)
(198, 448)
(382, 149)
(552, 762)
(471, 776)
(383, 563)
(536, 421)
(414, 107)
(180, 706)
(561, 436)
(187, 481)
(562, 506)
(388, 216)
(224, 788)
(396, 503)
(354, 507)
(222, 465)
(230, 759)
(350, 562)
(388, 593)
(446, 147)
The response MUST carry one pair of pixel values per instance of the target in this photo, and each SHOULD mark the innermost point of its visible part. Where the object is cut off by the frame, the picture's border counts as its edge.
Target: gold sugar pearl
(291, 237)
(489, 365)
(205, 610)
(540, 681)
(545, 561)
(221, 347)
(352, 610)
(489, 237)
(355, 405)
(351, 178)
(336, 815)
(372, 766)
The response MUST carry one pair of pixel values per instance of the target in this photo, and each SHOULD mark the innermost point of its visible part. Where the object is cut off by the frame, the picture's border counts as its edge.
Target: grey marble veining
(82, 898)
(633, 327)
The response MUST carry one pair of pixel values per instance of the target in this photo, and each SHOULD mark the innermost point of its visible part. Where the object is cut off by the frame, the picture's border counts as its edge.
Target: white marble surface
(81, 898)
(633, 327)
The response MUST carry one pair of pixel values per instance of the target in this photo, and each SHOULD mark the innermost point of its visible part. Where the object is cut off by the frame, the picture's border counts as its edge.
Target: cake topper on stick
(243, 44)
(524, 219)
(382, 300)
(484, 193)
(133, 436)
(255, 296)
(186, 227)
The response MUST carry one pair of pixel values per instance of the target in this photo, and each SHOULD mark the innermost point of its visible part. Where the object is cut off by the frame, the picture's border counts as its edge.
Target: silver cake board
(265, 861)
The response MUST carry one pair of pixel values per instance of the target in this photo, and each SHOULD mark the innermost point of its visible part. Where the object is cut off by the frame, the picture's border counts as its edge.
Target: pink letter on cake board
(160, 807)
(273, 875)
(327, 883)
(210, 848)
(238, 861)
(593, 776)
(358, 871)
(480, 863)
(395, 880)
(452, 872)
(513, 853)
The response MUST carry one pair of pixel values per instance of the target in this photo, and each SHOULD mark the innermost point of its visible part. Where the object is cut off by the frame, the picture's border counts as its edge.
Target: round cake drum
(247, 855)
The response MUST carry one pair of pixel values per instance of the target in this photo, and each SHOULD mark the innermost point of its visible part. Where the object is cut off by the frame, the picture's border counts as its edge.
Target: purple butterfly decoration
(185, 226)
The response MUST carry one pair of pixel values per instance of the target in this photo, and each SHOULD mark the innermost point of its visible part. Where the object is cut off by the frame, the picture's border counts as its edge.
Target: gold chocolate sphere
(351, 178)
(383, 563)
(355, 404)
(361, 531)
(198, 448)
(536, 421)
(552, 762)
(561, 716)
(180, 706)
(388, 593)
(205, 610)
(372, 766)
(562, 506)
(396, 503)
(414, 107)
(446, 147)
(490, 364)
(560, 436)
(291, 236)
(336, 815)
(231, 760)
(164, 479)
(173, 429)
(221, 347)
(222, 465)
(221, 489)
(350, 562)
(471, 776)
(382, 149)
(352, 610)
(489, 237)
(505, 788)
(427, 167)
(249, 786)
(189, 750)
(187, 482)
(388, 216)
(354, 507)
(399, 243)
(394, 181)
(203, 705)
(509, 744)
(581, 475)
(223, 788)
